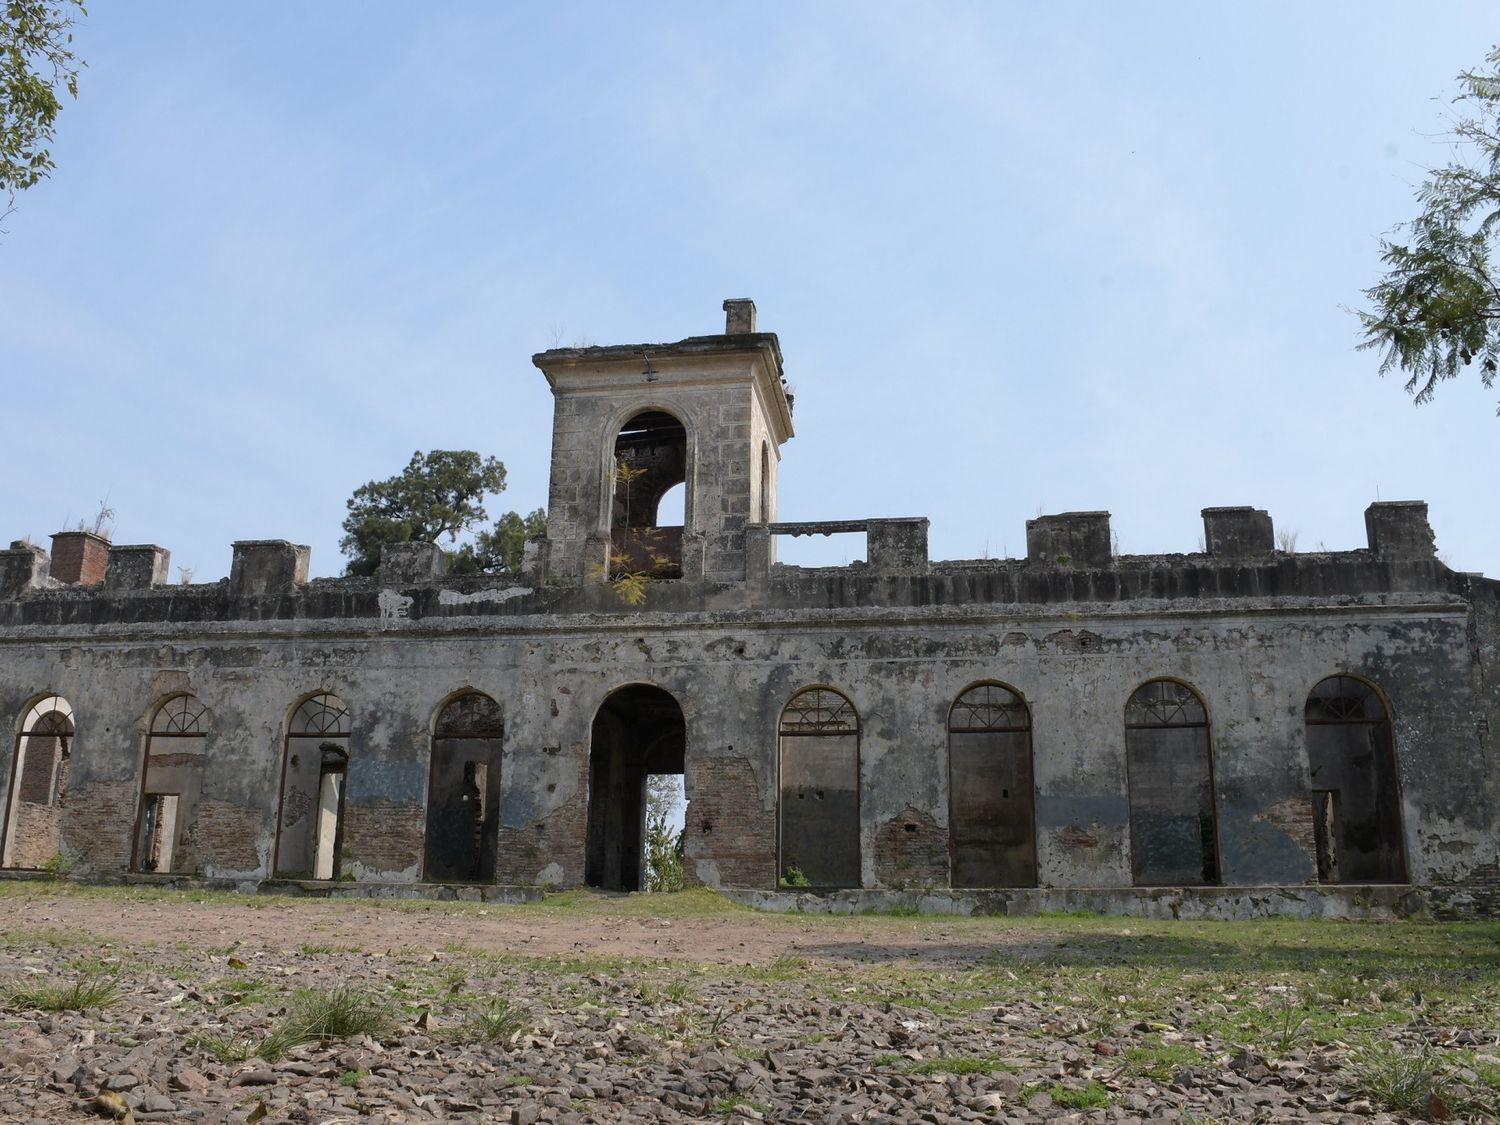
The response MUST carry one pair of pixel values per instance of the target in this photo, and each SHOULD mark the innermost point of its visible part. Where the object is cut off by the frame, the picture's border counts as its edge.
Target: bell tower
(632, 421)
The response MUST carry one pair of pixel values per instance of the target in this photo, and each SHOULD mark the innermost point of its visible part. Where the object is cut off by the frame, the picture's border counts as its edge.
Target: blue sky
(1022, 258)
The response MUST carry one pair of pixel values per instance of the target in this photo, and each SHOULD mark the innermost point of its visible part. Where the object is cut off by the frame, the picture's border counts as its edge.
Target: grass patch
(238, 991)
(725, 1107)
(336, 1013)
(957, 1064)
(312, 1017)
(1422, 1082)
(1161, 1061)
(93, 990)
(1092, 1095)
(783, 968)
(493, 1021)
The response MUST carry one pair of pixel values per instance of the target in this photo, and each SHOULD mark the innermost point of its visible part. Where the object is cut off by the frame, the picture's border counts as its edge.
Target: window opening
(171, 785)
(463, 791)
(818, 750)
(991, 802)
(310, 836)
(650, 459)
(1356, 795)
(38, 784)
(1169, 775)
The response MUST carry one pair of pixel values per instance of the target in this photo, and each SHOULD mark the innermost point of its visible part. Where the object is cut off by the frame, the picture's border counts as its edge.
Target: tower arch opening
(650, 458)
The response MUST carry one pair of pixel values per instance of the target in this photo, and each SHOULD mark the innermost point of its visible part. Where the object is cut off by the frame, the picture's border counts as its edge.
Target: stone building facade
(1242, 727)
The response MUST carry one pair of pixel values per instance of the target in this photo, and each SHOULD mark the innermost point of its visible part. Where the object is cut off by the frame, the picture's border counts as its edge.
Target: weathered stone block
(739, 316)
(757, 551)
(137, 567)
(266, 567)
(1398, 530)
(24, 567)
(897, 545)
(1237, 533)
(405, 564)
(1069, 539)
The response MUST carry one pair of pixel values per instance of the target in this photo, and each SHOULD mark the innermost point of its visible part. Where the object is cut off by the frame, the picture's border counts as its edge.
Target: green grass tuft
(493, 1021)
(957, 1064)
(90, 991)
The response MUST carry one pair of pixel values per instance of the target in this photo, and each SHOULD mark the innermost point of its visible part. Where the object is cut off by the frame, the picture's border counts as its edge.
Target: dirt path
(289, 924)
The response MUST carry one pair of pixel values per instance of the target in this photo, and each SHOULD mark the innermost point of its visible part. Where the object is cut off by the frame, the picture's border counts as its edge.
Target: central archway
(638, 732)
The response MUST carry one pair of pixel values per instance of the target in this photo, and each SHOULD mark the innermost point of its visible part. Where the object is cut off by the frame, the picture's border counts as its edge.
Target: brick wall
(226, 834)
(386, 837)
(911, 850)
(556, 838)
(728, 824)
(39, 768)
(34, 834)
(79, 557)
(99, 823)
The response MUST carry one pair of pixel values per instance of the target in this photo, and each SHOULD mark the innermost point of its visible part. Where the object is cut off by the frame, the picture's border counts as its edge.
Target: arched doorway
(170, 785)
(1174, 838)
(819, 763)
(38, 783)
(1356, 796)
(463, 791)
(310, 833)
(991, 801)
(638, 732)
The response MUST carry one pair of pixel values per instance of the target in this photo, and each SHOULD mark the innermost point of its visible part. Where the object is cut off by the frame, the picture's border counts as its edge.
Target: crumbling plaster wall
(732, 674)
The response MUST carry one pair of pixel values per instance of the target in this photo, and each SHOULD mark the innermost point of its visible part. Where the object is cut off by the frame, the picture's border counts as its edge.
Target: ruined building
(1236, 730)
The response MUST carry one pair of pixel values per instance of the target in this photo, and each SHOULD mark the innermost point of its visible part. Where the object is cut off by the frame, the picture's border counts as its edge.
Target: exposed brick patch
(385, 837)
(1294, 816)
(39, 768)
(911, 850)
(558, 837)
(98, 823)
(79, 557)
(33, 834)
(727, 823)
(226, 836)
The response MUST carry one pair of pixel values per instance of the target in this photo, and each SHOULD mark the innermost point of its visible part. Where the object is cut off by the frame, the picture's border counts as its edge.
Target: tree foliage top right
(1436, 311)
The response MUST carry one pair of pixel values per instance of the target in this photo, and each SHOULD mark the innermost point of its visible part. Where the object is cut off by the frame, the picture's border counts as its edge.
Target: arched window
(650, 458)
(991, 798)
(1356, 795)
(38, 783)
(819, 757)
(463, 791)
(1169, 772)
(310, 833)
(170, 786)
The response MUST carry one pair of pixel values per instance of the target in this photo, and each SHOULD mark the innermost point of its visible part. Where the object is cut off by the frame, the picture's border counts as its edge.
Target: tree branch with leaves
(438, 495)
(1436, 312)
(37, 64)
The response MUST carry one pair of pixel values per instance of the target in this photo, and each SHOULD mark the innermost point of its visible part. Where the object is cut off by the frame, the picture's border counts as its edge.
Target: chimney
(79, 558)
(739, 318)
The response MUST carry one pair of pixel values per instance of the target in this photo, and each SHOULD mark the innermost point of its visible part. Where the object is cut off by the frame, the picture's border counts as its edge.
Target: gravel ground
(517, 1015)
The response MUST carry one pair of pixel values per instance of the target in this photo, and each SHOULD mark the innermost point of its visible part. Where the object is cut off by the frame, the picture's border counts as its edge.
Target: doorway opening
(38, 784)
(463, 791)
(638, 733)
(310, 836)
